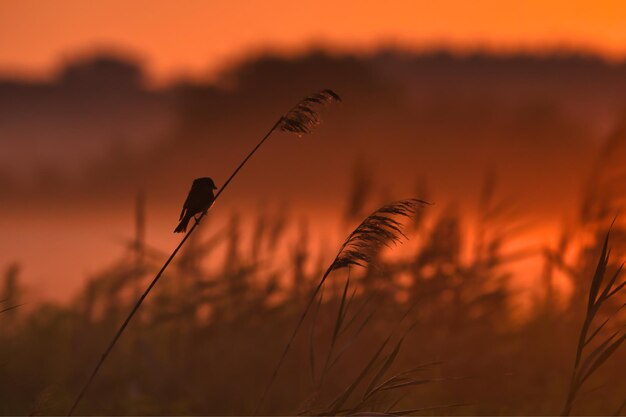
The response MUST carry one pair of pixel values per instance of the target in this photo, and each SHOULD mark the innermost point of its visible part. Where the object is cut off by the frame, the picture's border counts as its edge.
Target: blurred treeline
(207, 340)
(97, 130)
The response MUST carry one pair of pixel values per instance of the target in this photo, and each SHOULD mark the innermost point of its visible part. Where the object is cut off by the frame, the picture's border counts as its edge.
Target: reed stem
(158, 275)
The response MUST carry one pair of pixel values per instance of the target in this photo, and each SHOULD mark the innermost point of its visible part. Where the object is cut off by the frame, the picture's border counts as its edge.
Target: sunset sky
(455, 166)
(197, 38)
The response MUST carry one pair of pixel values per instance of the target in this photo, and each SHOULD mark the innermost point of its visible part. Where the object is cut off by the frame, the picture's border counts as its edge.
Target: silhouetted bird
(198, 201)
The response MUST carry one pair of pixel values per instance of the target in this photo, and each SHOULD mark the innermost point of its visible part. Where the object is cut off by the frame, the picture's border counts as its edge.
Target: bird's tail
(182, 226)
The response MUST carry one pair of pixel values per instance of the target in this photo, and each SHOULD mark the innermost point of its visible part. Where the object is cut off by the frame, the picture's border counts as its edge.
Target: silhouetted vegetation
(436, 326)
(431, 328)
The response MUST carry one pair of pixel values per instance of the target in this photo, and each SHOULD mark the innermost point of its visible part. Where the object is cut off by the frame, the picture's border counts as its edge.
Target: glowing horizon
(200, 38)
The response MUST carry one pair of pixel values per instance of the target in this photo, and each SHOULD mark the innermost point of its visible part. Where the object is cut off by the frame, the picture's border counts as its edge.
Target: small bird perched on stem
(199, 199)
(300, 119)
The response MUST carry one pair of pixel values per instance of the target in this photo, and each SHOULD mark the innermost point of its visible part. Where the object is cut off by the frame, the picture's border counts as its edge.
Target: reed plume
(382, 228)
(303, 117)
(300, 119)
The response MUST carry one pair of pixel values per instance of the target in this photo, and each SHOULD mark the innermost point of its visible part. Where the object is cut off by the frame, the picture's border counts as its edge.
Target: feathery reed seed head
(303, 117)
(382, 228)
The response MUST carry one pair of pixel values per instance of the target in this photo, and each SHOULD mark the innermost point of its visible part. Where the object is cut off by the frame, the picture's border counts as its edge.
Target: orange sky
(194, 37)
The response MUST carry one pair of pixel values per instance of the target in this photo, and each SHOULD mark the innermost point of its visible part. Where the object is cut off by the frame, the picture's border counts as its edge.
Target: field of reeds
(430, 327)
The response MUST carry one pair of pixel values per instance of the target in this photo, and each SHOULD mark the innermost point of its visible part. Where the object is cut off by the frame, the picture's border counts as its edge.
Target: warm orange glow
(198, 37)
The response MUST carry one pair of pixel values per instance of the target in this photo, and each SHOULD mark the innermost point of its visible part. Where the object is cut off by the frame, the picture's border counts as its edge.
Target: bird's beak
(214, 187)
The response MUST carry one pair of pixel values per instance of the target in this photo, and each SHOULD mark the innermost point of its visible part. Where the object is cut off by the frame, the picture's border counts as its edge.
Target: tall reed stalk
(381, 228)
(300, 119)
